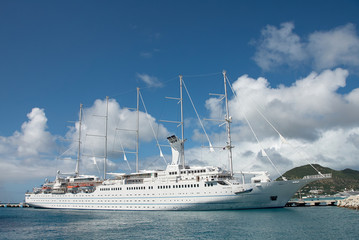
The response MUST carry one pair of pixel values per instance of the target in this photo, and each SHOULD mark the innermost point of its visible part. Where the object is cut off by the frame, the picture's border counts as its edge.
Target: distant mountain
(346, 179)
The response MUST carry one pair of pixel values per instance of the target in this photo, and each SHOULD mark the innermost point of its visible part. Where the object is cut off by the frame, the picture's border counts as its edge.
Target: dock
(311, 202)
(14, 205)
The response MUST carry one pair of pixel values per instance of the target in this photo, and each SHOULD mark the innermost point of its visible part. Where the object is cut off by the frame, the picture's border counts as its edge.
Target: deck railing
(327, 175)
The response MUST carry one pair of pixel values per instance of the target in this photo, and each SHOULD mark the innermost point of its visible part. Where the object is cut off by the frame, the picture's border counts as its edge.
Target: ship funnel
(177, 148)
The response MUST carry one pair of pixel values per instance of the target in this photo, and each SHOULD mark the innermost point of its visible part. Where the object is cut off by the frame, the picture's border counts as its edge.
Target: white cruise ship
(178, 187)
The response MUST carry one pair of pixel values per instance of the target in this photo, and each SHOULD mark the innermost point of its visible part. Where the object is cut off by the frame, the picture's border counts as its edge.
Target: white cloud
(149, 80)
(23, 155)
(301, 110)
(279, 46)
(324, 49)
(321, 125)
(31, 153)
(336, 47)
(34, 138)
(119, 138)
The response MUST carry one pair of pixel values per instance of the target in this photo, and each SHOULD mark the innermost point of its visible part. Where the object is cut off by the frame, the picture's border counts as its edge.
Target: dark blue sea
(325, 222)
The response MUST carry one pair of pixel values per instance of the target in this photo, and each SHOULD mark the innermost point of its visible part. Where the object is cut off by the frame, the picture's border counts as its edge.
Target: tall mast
(138, 127)
(182, 123)
(79, 146)
(228, 120)
(106, 127)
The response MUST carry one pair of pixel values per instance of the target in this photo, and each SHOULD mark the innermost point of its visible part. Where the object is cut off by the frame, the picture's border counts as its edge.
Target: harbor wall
(351, 202)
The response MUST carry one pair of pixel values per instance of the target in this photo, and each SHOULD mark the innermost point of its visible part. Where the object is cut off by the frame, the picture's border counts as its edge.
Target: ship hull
(231, 197)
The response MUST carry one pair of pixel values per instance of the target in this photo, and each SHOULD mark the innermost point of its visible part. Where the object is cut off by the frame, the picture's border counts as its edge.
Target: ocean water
(285, 223)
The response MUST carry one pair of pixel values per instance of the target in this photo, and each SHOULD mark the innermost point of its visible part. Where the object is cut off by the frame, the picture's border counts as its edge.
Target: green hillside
(346, 179)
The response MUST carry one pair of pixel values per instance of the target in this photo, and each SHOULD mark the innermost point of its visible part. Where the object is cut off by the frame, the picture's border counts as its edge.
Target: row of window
(137, 188)
(110, 189)
(158, 187)
(109, 207)
(188, 172)
(178, 186)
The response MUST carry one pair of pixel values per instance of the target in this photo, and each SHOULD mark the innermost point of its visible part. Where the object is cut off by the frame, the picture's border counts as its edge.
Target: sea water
(284, 223)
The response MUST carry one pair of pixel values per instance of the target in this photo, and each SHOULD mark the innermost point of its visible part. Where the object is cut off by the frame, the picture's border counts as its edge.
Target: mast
(182, 123)
(79, 146)
(228, 120)
(106, 127)
(180, 142)
(138, 127)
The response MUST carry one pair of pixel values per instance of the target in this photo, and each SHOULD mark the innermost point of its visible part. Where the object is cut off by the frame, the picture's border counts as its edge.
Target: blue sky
(55, 55)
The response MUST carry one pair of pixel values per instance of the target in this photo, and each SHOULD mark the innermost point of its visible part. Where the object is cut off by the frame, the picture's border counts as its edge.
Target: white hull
(218, 197)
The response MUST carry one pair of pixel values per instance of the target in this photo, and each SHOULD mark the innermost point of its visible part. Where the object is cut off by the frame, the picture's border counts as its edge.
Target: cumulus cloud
(24, 154)
(279, 46)
(302, 110)
(336, 47)
(32, 152)
(150, 81)
(324, 49)
(34, 138)
(319, 124)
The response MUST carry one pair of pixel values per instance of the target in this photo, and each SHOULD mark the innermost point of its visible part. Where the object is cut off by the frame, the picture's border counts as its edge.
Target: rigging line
(85, 142)
(283, 139)
(153, 131)
(204, 130)
(202, 75)
(147, 87)
(162, 83)
(93, 154)
(70, 140)
(254, 134)
(262, 149)
(122, 93)
(123, 150)
(94, 160)
(124, 156)
(114, 138)
(66, 151)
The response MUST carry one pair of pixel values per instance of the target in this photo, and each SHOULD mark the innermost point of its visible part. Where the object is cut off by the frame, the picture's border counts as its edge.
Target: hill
(346, 179)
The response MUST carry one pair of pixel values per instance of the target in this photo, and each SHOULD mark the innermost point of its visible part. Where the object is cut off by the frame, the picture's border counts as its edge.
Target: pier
(14, 205)
(311, 202)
